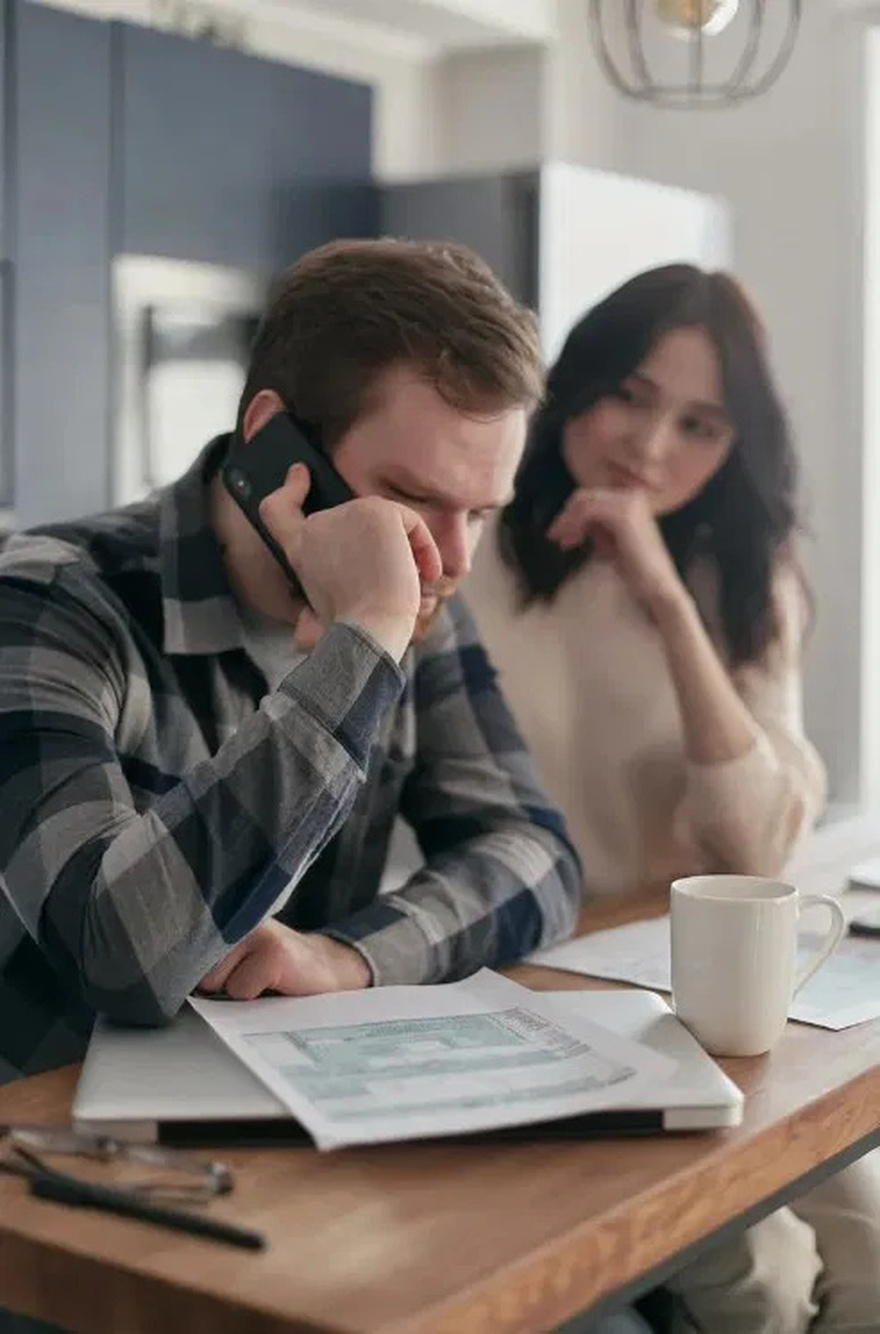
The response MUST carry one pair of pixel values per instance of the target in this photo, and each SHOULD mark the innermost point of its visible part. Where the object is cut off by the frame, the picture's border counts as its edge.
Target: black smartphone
(255, 469)
(868, 924)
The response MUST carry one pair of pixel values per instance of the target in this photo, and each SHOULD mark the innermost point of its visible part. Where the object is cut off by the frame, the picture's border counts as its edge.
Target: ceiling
(445, 24)
(420, 29)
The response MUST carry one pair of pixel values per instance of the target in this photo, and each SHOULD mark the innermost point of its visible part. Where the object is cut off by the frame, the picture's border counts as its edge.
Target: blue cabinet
(4, 167)
(228, 159)
(59, 223)
(5, 283)
(320, 137)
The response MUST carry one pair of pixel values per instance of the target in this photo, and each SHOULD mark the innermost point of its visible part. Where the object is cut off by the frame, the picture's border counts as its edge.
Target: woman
(642, 600)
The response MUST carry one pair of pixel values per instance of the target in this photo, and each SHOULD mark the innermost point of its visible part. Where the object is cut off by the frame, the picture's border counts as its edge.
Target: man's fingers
(424, 549)
(257, 972)
(284, 506)
(309, 630)
(275, 966)
(216, 979)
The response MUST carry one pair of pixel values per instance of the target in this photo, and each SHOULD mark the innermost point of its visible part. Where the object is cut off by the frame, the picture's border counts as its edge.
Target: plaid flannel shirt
(156, 800)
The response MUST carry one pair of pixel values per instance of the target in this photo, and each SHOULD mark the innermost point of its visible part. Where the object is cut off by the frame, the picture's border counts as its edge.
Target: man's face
(453, 470)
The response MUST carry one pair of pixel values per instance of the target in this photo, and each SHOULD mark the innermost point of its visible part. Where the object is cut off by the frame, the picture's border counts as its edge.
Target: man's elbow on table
(129, 981)
(560, 890)
(136, 1004)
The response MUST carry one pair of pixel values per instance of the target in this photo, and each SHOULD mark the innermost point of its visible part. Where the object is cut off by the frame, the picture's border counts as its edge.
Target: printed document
(845, 991)
(396, 1063)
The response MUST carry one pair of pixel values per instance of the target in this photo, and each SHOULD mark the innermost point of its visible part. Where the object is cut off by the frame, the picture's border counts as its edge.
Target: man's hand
(292, 963)
(364, 562)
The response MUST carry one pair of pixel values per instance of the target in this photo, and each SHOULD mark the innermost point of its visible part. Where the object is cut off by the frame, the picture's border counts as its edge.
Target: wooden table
(446, 1238)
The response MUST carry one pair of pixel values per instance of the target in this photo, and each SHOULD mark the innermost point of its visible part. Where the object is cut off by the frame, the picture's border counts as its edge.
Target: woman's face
(664, 430)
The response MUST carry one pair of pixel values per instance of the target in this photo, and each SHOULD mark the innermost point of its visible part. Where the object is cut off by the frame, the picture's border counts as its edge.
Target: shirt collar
(199, 611)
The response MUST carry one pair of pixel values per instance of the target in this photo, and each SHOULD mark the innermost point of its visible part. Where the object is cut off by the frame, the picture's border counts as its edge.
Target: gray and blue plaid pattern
(156, 800)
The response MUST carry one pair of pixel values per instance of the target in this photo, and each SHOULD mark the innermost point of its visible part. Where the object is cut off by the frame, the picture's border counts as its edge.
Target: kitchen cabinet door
(6, 363)
(4, 165)
(60, 230)
(225, 159)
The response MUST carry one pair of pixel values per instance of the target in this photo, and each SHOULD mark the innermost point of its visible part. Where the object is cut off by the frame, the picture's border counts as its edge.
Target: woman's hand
(624, 531)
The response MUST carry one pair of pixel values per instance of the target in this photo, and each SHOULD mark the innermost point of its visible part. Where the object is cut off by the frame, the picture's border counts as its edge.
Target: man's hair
(349, 311)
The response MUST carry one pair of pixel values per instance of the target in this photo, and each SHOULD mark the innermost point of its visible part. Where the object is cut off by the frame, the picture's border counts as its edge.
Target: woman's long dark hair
(745, 515)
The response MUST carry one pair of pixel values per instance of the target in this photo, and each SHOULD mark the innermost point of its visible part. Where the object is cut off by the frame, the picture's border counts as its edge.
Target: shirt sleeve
(747, 815)
(131, 907)
(501, 877)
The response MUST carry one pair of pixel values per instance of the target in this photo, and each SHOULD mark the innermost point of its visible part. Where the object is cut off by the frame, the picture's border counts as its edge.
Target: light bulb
(685, 17)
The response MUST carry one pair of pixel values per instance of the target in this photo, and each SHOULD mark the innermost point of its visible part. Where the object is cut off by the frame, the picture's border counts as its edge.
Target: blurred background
(159, 159)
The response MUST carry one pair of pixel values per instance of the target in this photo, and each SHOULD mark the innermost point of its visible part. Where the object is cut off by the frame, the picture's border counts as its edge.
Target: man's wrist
(391, 633)
(350, 969)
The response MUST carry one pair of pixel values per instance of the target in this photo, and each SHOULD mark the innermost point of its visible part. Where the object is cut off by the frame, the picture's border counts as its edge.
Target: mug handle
(835, 934)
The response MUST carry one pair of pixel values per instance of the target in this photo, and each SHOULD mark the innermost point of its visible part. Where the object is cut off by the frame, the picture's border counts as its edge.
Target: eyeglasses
(177, 1177)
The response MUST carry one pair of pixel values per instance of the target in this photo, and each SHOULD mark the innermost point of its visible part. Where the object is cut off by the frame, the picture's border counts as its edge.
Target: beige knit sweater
(588, 683)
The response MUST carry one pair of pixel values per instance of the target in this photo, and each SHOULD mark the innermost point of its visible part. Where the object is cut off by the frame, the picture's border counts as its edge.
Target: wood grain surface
(441, 1238)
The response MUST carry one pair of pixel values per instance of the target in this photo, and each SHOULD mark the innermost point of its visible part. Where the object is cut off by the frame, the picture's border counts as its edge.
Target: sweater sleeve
(746, 815)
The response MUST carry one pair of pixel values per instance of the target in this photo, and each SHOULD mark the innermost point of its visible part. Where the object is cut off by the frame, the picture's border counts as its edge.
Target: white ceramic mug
(734, 958)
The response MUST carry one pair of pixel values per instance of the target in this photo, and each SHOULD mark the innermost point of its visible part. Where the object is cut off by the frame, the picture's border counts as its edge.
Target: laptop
(182, 1085)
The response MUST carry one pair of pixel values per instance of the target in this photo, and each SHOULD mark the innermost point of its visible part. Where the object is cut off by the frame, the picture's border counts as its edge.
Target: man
(191, 798)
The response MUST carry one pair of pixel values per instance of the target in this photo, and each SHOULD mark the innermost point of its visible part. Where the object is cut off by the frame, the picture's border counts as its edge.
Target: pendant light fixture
(694, 53)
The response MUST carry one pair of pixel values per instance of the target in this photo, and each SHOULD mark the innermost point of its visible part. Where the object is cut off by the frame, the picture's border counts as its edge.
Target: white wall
(408, 122)
(579, 105)
(468, 112)
(493, 109)
(509, 107)
(871, 471)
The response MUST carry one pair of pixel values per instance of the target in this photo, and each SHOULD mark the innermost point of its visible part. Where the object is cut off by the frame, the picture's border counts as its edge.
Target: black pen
(88, 1195)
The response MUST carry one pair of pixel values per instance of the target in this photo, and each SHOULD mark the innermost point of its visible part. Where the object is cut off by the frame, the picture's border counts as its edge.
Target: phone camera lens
(240, 482)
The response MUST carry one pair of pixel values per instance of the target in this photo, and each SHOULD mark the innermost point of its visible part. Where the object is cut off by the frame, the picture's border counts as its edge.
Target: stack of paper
(402, 1063)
